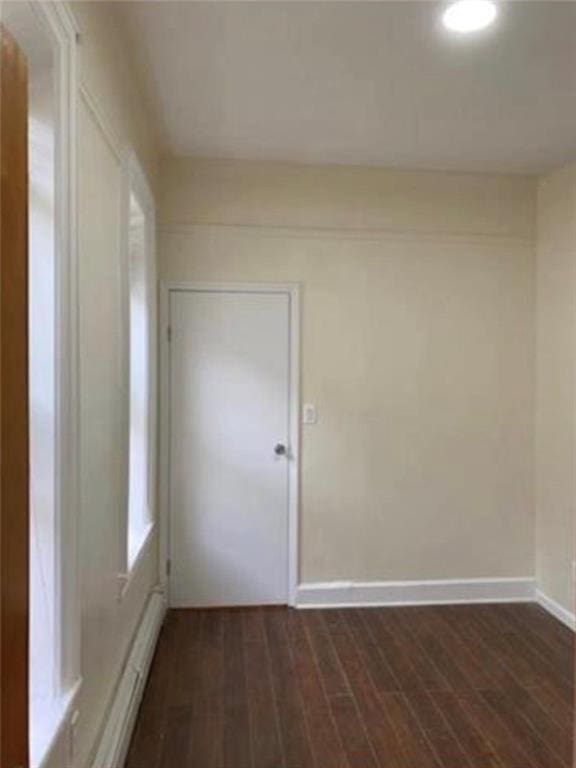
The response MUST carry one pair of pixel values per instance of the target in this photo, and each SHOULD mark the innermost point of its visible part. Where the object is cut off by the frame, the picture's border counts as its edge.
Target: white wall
(556, 386)
(108, 623)
(418, 331)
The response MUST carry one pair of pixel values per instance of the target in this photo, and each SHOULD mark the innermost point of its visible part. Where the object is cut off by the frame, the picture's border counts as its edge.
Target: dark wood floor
(445, 687)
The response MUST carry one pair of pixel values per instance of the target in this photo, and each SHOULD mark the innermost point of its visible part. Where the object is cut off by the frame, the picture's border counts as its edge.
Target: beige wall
(556, 385)
(329, 196)
(105, 65)
(417, 331)
(108, 624)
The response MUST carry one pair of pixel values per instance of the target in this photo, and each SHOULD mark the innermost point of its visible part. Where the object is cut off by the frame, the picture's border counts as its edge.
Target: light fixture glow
(470, 15)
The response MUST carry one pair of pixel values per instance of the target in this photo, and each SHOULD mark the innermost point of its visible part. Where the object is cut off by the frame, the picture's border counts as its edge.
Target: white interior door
(229, 423)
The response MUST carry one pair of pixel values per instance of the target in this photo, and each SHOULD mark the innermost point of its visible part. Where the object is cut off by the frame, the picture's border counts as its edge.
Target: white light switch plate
(309, 414)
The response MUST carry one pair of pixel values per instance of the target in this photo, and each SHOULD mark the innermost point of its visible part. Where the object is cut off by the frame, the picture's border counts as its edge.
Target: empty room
(287, 383)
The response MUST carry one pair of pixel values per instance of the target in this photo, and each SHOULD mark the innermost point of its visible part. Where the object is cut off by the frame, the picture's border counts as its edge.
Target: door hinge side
(169, 333)
(168, 567)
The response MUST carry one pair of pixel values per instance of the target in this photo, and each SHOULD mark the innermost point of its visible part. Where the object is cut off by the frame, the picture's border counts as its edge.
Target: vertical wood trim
(14, 451)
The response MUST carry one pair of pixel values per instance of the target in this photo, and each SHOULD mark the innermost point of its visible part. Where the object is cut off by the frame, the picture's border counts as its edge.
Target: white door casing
(230, 397)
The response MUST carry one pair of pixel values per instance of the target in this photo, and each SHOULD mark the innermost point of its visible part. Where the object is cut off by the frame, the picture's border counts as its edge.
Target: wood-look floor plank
(536, 619)
(538, 751)
(295, 736)
(359, 750)
(547, 646)
(498, 733)
(394, 651)
(149, 731)
(335, 681)
(376, 720)
(237, 741)
(549, 658)
(548, 730)
(436, 727)
(515, 705)
(476, 744)
(414, 743)
(264, 722)
(400, 622)
(343, 707)
(521, 665)
(206, 742)
(469, 632)
(376, 662)
(544, 706)
(188, 660)
(471, 686)
(479, 675)
(208, 694)
(176, 743)
(448, 665)
(325, 739)
(559, 710)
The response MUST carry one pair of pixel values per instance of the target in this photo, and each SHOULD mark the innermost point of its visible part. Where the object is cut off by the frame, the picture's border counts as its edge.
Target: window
(140, 257)
(46, 34)
(42, 404)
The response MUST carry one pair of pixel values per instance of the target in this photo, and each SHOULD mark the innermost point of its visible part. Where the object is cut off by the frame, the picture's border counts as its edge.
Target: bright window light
(470, 15)
(139, 511)
(44, 531)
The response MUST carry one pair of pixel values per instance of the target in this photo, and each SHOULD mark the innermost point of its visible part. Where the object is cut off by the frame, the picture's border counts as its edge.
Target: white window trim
(134, 181)
(59, 24)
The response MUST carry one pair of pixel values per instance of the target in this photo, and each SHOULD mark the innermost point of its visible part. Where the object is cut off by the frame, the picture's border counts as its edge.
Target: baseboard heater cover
(115, 739)
(354, 593)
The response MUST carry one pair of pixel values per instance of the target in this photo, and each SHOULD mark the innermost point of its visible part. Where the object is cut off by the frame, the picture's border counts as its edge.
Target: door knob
(280, 449)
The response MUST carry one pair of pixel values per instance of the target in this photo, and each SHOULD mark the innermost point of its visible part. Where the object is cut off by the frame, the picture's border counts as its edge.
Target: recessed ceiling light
(470, 15)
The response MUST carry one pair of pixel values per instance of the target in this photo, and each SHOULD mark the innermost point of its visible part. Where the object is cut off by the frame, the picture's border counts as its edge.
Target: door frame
(292, 290)
(14, 406)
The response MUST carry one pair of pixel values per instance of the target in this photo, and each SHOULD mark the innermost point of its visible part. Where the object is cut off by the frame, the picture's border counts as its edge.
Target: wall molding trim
(556, 610)
(112, 747)
(343, 594)
(390, 235)
(101, 120)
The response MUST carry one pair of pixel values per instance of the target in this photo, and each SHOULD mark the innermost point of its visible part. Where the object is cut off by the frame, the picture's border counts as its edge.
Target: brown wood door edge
(14, 450)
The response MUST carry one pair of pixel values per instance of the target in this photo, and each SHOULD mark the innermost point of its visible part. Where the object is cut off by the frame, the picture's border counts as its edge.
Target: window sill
(54, 717)
(126, 579)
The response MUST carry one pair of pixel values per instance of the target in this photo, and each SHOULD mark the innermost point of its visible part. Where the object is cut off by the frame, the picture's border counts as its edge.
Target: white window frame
(61, 30)
(136, 184)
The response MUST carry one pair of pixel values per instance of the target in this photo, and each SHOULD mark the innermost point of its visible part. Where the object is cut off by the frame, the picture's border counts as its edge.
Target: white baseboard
(554, 608)
(345, 594)
(115, 739)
